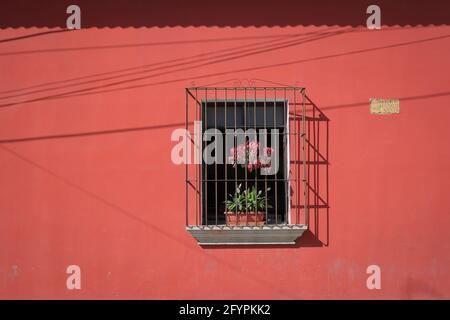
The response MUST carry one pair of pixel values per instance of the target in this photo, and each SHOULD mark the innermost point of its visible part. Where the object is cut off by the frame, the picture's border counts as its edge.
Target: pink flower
(257, 163)
(267, 151)
(253, 145)
(248, 154)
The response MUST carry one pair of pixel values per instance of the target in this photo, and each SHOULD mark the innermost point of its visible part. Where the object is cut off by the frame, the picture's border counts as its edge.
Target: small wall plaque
(384, 106)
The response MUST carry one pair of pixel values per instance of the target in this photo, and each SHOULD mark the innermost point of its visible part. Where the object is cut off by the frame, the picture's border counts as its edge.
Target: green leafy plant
(249, 200)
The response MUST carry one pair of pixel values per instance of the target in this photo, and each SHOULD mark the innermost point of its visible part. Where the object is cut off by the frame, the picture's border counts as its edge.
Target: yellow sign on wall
(384, 106)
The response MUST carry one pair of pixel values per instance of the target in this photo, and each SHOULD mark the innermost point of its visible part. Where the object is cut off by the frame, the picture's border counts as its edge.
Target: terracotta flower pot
(243, 218)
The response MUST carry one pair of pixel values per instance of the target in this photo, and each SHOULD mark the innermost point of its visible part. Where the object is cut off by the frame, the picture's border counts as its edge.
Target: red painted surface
(86, 178)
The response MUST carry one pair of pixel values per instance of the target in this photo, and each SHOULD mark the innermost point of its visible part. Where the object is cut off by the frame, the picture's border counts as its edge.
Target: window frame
(280, 233)
(282, 213)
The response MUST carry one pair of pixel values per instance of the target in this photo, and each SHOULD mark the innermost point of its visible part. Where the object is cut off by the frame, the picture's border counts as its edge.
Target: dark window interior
(222, 179)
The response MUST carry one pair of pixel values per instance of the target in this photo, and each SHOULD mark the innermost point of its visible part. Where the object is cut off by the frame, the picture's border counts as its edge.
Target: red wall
(86, 176)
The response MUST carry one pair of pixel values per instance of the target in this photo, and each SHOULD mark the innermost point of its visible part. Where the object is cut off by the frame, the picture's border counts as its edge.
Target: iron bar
(265, 144)
(246, 165)
(225, 159)
(257, 158)
(235, 140)
(305, 174)
(296, 141)
(206, 173)
(286, 156)
(289, 130)
(187, 162)
(198, 203)
(276, 152)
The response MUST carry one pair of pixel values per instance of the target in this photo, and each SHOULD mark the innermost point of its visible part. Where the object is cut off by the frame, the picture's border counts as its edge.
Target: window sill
(261, 235)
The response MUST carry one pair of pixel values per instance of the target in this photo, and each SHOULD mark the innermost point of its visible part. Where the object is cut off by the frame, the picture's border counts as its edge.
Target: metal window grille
(279, 111)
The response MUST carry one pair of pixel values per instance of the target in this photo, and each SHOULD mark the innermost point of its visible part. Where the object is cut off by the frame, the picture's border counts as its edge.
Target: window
(246, 185)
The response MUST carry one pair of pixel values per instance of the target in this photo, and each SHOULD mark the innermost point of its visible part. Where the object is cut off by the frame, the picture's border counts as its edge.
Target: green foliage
(250, 200)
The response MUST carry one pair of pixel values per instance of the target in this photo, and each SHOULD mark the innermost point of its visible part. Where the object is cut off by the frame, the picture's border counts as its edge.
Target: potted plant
(247, 207)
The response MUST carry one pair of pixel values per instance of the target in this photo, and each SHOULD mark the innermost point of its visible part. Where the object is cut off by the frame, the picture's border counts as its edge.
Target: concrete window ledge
(261, 235)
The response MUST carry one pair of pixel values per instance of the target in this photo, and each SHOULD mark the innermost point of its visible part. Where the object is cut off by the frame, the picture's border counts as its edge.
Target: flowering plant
(250, 200)
(247, 155)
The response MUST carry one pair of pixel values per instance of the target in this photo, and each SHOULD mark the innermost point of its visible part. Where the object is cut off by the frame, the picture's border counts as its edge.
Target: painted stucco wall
(86, 176)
